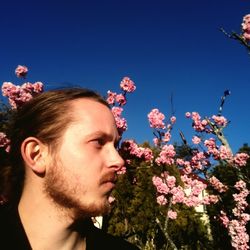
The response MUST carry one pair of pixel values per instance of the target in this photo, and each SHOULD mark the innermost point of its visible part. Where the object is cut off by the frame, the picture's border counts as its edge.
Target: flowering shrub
(204, 153)
(209, 146)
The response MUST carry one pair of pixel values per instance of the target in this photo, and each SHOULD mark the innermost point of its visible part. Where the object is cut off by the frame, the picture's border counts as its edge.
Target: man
(63, 164)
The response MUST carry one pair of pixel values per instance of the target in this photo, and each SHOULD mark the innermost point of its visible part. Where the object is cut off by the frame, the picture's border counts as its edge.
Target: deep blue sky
(166, 47)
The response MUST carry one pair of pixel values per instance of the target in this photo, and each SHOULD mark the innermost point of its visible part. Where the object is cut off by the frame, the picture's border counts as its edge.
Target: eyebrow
(104, 135)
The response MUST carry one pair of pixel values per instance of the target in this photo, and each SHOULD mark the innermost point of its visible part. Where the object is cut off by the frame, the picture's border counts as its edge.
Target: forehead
(90, 115)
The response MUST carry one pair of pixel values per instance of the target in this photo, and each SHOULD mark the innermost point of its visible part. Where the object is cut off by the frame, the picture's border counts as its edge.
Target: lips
(110, 177)
(109, 181)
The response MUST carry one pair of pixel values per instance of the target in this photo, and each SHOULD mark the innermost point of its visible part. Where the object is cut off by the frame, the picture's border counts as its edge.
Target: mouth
(109, 181)
(109, 178)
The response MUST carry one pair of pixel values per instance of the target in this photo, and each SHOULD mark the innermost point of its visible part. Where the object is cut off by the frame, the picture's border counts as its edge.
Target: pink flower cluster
(220, 120)
(221, 152)
(121, 122)
(156, 118)
(166, 155)
(127, 85)
(240, 198)
(198, 124)
(172, 214)
(196, 140)
(212, 148)
(190, 194)
(162, 129)
(114, 97)
(220, 187)
(237, 227)
(118, 100)
(134, 150)
(240, 159)
(21, 71)
(246, 27)
(18, 95)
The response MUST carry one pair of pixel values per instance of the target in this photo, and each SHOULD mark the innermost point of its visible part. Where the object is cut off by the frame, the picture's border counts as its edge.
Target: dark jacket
(13, 237)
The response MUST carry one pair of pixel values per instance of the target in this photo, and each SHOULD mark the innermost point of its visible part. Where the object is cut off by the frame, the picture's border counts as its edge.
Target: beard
(64, 195)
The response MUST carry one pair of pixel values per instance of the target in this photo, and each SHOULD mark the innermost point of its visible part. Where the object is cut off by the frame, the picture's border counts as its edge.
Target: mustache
(109, 177)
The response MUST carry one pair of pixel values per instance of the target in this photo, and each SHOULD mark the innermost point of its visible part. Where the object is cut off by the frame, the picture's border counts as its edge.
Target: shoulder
(12, 234)
(99, 239)
(4, 215)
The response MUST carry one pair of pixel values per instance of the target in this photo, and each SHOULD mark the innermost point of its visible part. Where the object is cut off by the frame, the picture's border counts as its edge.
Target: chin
(92, 210)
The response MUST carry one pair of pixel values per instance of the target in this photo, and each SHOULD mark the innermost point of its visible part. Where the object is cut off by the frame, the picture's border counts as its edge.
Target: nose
(115, 160)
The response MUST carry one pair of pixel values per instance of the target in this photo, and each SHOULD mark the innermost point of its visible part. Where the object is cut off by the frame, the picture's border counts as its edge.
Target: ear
(34, 154)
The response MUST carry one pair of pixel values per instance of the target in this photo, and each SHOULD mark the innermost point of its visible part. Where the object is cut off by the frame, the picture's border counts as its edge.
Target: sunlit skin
(72, 183)
(86, 161)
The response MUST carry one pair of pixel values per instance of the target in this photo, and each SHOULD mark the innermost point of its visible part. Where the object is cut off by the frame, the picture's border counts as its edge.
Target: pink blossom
(156, 141)
(127, 85)
(161, 187)
(180, 161)
(172, 214)
(178, 194)
(148, 154)
(123, 170)
(224, 219)
(111, 97)
(225, 153)
(121, 99)
(240, 185)
(217, 184)
(173, 119)
(134, 150)
(187, 170)
(210, 143)
(196, 140)
(37, 87)
(18, 95)
(220, 120)
(198, 124)
(238, 234)
(198, 160)
(117, 111)
(246, 27)
(166, 155)
(161, 200)
(21, 71)
(111, 199)
(213, 198)
(167, 137)
(121, 122)
(156, 118)
(240, 159)
(170, 181)
(188, 114)
(192, 201)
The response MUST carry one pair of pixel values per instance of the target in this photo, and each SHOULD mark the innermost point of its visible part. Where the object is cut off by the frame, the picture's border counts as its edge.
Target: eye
(99, 142)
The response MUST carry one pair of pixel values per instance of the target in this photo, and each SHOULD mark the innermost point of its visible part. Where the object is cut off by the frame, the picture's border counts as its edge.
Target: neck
(48, 227)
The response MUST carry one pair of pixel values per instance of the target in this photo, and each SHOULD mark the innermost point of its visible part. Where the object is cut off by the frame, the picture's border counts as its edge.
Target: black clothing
(13, 237)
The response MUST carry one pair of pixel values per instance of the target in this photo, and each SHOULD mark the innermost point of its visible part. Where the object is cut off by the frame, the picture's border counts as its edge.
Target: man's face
(83, 172)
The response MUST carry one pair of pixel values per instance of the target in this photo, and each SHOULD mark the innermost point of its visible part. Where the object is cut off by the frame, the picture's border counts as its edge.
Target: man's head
(66, 139)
